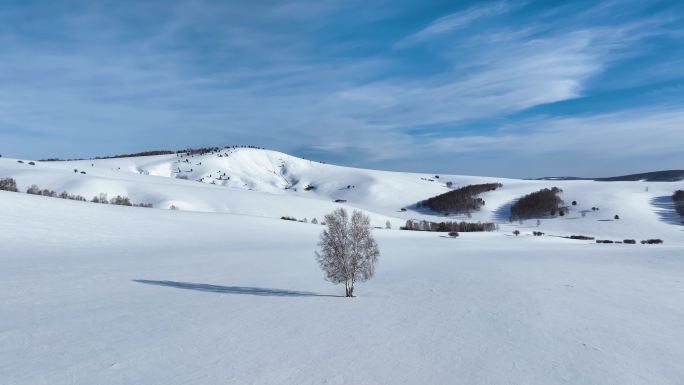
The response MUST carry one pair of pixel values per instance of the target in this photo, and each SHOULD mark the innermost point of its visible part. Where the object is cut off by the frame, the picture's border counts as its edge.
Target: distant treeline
(187, 151)
(464, 227)
(538, 204)
(461, 200)
(678, 198)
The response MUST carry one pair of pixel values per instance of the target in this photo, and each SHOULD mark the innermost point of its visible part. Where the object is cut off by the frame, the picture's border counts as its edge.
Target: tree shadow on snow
(665, 208)
(258, 291)
(503, 212)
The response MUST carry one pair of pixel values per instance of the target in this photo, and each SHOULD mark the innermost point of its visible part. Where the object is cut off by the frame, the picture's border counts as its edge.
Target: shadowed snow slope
(99, 294)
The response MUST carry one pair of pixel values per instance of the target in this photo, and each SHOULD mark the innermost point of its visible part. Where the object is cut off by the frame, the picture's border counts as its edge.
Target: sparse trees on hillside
(465, 227)
(102, 198)
(462, 200)
(539, 203)
(348, 252)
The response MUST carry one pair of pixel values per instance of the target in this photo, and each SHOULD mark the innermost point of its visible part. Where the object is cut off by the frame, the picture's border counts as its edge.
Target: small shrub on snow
(102, 198)
(8, 184)
(453, 234)
(33, 190)
(516, 232)
(66, 195)
(121, 201)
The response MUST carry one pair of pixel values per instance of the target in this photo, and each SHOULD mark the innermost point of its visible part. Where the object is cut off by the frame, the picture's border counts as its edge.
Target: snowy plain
(222, 291)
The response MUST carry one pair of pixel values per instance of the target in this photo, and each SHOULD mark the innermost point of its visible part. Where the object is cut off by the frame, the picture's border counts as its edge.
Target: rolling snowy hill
(223, 291)
(273, 184)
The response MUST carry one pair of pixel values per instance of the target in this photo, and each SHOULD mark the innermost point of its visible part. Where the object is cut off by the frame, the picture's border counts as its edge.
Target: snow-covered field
(222, 291)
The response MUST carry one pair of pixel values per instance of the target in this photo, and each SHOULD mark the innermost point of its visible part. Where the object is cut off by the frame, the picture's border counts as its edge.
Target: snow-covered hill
(273, 184)
(223, 291)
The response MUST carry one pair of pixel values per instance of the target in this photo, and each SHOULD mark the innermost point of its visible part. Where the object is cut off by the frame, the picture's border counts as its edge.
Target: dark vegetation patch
(580, 237)
(678, 198)
(538, 204)
(651, 241)
(461, 200)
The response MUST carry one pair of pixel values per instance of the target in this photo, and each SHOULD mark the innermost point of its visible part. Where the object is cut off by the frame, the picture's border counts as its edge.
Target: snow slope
(101, 294)
(272, 184)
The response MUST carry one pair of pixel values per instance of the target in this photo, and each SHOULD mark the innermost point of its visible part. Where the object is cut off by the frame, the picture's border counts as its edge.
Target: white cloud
(455, 21)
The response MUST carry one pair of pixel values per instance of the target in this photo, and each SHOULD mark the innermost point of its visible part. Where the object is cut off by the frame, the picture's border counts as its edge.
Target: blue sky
(504, 88)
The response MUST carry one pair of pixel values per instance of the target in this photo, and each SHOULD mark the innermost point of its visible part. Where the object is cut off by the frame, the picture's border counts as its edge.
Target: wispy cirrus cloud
(364, 89)
(457, 20)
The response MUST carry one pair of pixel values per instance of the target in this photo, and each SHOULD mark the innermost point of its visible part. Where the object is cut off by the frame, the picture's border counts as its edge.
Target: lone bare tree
(348, 251)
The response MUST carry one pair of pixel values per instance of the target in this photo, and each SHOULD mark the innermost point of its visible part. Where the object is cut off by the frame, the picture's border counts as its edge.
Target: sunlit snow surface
(101, 294)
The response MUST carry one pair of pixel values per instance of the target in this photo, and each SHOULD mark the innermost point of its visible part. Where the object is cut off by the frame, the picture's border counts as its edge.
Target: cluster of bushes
(464, 227)
(632, 241)
(35, 190)
(118, 200)
(540, 203)
(651, 241)
(537, 233)
(8, 184)
(462, 200)
(304, 220)
(678, 198)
